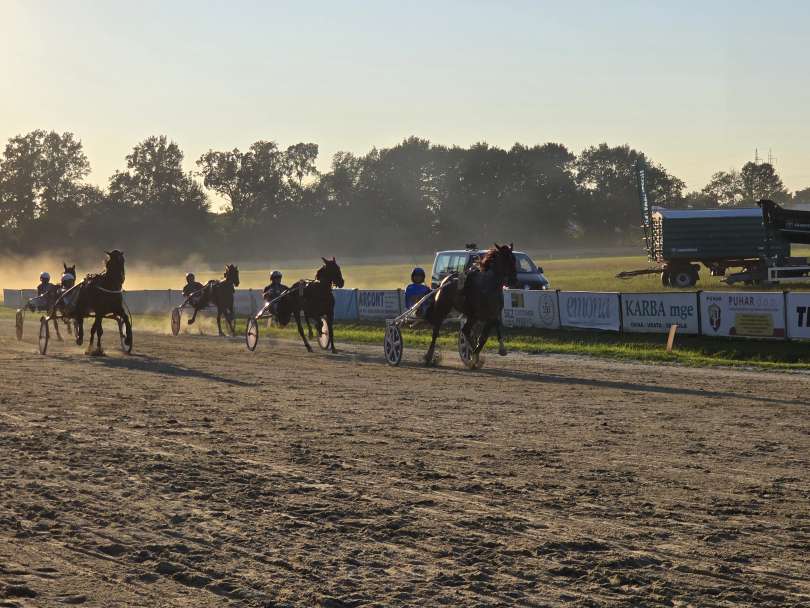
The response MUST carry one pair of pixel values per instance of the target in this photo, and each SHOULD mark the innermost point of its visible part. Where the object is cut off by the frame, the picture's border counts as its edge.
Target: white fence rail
(769, 314)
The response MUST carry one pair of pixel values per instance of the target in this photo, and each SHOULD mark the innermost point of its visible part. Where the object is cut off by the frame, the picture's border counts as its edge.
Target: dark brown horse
(219, 294)
(479, 298)
(100, 295)
(315, 299)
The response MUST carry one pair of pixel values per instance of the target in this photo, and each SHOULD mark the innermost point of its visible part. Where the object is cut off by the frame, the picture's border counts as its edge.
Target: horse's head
(501, 260)
(71, 271)
(330, 273)
(232, 274)
(115, 262)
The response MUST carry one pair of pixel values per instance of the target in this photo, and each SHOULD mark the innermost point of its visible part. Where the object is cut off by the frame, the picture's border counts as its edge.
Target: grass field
(569, 274)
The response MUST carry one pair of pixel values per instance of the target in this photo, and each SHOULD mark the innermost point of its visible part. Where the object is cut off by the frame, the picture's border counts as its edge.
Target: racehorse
(220, 294)
(315, 299)
(100, 295)
(479, 299)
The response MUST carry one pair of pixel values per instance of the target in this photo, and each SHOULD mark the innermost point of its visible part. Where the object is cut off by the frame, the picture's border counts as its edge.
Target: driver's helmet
(189, 276)
(275, 275)
(418, 275)
(68, 280)
(44, 276)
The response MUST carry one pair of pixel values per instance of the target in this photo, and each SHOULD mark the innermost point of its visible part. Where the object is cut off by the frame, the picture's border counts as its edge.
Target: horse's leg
(99, 331)
(499, 331)
(232, 321)
(432, 348)
(219, 319)
(193, 316)
(56, 327)
(482, 340)
(127, 325)
(79, 331)
(301, 329)
(309, 327)
(92, 337)
(330, 324)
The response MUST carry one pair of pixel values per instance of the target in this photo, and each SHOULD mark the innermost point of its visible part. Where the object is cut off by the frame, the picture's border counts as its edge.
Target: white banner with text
(524, 308)
(747, 314)
(656, 312)
(590, 310)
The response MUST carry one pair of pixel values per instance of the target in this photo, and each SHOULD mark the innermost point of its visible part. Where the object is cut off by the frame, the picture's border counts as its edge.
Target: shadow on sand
(145, 363)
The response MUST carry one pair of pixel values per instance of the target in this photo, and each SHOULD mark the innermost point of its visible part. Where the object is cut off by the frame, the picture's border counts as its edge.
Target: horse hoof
(502, 351)
(189, 321)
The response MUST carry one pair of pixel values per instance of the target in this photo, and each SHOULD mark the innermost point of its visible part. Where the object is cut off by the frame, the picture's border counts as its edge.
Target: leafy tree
(760, 181)
(609, 210)
(725, 188)
(40, 173)
(154, 206)
(300, 160)
(802, 196)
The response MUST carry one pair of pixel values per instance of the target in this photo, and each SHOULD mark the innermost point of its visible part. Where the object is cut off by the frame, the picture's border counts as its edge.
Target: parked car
(529, 276)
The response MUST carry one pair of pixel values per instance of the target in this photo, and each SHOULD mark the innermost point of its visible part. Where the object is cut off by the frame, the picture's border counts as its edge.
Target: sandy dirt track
(195, 473)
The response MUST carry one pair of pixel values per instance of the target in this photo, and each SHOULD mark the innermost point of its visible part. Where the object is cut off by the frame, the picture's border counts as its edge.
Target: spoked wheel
(252, 333)
(18, 324)
(175, 321)
(393, 345)
(44, 335)
(323, 337)
(466, 348)
(122, 334)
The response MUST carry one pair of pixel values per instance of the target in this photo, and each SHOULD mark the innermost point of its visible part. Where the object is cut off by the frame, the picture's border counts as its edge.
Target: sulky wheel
(44, 335)
(18, 324)
(122, 334)
(252, 333)
(466, 348)
(393, 345)
(175, 321)
(323, 337)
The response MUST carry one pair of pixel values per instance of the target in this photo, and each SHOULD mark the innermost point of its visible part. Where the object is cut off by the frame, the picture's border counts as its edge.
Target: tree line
(411, 198)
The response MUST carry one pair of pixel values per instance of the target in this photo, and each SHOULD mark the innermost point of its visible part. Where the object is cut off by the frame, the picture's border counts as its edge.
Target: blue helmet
(418, 272)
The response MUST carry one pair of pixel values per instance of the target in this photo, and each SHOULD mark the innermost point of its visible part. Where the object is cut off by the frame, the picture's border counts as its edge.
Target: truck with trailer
(679, 241)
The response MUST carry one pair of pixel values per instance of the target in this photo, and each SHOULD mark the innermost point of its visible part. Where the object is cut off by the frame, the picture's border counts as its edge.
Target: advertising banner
(743, 314)
(378, 304)
(589, 310)
(656, 312)
(15, 298)
(345, 304)
(525, 308)
(798, 315)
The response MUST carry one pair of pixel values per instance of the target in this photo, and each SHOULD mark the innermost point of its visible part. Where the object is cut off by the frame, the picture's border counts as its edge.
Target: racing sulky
(101, 295)
(316, 300)
(220, 294)
(478, 296)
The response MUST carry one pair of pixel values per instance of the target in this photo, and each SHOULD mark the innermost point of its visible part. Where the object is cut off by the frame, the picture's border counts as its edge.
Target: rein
(108, 290)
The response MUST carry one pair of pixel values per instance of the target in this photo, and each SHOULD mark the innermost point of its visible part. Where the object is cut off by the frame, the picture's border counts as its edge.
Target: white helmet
(68, 278)
(44, 276)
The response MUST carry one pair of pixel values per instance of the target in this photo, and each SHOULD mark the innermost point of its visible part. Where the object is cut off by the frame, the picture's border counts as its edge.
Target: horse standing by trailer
(476, 295)
(314, 298)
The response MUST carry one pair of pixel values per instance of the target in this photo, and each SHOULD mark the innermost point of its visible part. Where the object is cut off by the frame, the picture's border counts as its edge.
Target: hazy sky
(696, 85)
